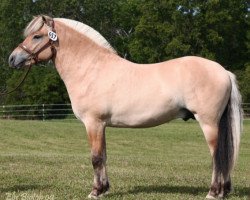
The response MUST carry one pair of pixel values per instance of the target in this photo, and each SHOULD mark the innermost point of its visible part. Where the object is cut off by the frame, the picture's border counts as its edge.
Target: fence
(37, 112)
(54, 111)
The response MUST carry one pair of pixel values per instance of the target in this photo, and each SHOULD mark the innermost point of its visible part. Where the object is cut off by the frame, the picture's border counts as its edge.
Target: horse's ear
(44, 19)
(47, 20)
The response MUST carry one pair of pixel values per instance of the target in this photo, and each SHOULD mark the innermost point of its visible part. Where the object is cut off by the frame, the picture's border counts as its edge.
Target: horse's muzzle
(17, 60)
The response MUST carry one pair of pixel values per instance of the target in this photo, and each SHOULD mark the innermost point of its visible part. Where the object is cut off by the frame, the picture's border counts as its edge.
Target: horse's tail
(230, 128)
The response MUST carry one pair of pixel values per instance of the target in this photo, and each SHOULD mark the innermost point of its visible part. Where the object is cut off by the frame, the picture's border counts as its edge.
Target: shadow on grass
(20, 188)
(170, 189)
(162, 189)
(242, 192)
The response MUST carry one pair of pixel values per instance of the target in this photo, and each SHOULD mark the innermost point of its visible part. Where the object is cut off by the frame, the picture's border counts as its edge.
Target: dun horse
(108, 91)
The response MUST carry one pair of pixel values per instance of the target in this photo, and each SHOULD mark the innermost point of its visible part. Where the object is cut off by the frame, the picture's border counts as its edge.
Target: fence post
(43, 113)
(3, 117)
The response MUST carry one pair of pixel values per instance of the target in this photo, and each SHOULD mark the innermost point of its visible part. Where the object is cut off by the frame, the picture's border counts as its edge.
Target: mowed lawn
(51, 160)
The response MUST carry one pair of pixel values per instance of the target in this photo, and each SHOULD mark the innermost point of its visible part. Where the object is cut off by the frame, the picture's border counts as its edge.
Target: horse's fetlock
(106, 187)
(227, 188)
(215, 189)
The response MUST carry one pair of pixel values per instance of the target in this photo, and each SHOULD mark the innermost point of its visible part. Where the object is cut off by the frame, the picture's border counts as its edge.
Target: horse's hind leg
(96, 137)
(219, 186)
(211, 135)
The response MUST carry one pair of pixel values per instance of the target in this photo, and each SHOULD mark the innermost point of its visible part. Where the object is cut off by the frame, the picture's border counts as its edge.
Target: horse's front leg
(96, 137)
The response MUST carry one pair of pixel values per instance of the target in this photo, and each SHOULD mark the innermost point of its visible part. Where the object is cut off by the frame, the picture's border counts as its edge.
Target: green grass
(166, 162)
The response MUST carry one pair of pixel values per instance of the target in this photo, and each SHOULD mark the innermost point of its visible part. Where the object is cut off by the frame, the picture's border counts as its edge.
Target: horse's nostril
(11, 60)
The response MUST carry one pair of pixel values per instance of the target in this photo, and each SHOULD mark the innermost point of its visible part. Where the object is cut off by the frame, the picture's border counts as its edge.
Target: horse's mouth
(23, 63)
(20, 64)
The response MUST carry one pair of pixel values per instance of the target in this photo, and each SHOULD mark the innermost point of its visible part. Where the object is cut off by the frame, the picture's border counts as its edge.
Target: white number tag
(52, 35)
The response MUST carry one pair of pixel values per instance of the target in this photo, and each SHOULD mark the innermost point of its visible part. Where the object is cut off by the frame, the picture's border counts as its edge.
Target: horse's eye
(36, 37)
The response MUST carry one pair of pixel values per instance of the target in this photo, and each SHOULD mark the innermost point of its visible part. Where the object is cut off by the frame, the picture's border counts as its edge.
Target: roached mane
(89, 32)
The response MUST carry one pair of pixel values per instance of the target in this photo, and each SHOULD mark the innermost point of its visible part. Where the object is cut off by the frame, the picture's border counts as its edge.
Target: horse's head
(38, 45)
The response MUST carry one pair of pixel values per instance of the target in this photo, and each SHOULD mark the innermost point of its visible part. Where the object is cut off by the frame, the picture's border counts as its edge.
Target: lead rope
(23, 79)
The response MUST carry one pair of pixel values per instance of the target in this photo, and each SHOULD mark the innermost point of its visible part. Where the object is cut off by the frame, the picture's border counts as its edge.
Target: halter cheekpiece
(52, 39)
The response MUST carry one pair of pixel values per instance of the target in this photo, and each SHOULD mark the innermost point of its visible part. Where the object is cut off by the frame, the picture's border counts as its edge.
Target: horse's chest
(77, 111)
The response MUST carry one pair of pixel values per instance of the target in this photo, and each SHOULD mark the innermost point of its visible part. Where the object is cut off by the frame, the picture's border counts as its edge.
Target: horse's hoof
(94, 196)
(209, 196)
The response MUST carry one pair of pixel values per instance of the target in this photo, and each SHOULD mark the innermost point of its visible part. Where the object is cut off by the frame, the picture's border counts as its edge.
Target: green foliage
(142, 31)
(42, 86)
(244, 78)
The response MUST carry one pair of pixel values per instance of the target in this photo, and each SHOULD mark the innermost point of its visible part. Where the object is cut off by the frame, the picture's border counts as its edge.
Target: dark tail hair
(230, 128)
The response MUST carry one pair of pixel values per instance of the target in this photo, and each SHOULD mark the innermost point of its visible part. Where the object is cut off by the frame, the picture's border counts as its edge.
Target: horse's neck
(76, 55)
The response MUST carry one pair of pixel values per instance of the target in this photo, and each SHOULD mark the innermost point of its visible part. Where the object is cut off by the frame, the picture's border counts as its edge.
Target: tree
(224, 31)
(12, 21)
(143, 31)
(42, 86)
(212, 29)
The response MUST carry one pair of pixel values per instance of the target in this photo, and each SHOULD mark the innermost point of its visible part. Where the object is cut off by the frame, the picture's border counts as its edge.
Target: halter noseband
(34, 55)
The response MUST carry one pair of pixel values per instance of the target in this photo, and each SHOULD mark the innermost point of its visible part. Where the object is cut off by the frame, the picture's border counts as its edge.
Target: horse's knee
(97, 160)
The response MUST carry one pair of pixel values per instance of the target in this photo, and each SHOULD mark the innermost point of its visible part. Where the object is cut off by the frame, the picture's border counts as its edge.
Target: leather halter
(34, 55)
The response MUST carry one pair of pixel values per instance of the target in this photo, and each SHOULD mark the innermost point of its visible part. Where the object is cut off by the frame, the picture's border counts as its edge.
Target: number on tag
(52, 35)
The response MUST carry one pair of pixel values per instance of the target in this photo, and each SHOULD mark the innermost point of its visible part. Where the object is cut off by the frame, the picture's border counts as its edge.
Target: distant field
(50, 160)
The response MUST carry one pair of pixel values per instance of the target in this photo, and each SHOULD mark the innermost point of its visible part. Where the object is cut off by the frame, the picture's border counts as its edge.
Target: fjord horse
(108, 91)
